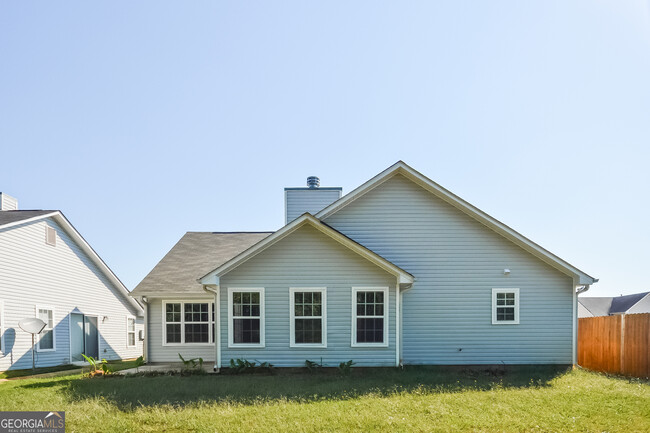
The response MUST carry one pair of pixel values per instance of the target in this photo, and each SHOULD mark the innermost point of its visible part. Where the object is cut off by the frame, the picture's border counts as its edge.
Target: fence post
(623, 343)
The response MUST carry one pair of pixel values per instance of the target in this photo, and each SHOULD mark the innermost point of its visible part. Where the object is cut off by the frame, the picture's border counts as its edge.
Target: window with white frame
(46, 339)
(187, 322)
(369, 316)
(130, 331)
(246, 317)
(505, 306)
(308, 317)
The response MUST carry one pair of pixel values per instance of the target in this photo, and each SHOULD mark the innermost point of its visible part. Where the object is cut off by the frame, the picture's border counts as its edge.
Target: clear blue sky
(144, 120)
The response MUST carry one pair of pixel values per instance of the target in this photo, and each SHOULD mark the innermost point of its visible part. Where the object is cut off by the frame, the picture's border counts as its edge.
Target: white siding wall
(64, 278)
(312, 200)
(457, 261)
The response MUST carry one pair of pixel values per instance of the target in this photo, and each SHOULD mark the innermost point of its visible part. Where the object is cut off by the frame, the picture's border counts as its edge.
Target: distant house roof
(195, 254)
(608, 305)
(18, 216)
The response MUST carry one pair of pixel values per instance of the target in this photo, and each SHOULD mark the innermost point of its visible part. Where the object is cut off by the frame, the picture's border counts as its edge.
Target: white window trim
(353, 337)
(38, 344)
(494, 306)
(135, 332)
(292, 316)
(182, 322)
(231, 339)
(2, 327)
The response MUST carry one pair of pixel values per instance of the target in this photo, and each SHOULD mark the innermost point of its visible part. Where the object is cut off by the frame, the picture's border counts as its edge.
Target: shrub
(239, 366)
(346, 367)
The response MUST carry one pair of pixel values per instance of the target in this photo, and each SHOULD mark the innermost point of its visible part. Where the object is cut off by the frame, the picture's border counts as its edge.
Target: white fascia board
(86, 248)
(467, 208)
(290, 228)
(28, 220)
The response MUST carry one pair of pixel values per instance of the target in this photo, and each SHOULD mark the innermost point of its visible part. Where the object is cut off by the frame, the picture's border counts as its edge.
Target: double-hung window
(505, 306)
(46, 340)
(187, 322)
(130, 332)
(308, 326)
(246, 317)
(369, 316)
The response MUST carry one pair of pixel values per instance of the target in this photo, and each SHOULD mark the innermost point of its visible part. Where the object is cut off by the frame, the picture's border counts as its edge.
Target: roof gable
(10, 219)
(212, 278)
(195, 254)
(400, 168)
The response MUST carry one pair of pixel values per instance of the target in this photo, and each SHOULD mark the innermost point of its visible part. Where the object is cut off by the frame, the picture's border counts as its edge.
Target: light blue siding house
(399, 271)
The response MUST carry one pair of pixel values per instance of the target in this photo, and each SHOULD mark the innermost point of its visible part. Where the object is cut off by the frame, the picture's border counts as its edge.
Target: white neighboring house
(48, 270)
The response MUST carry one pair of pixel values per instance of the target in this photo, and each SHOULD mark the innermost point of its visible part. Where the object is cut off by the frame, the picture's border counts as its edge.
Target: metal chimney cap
(313, 182)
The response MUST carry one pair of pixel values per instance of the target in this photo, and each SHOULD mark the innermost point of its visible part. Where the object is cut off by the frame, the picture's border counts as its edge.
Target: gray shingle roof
(193, 256)
(598, 306)
(604, 306)
(12, 216)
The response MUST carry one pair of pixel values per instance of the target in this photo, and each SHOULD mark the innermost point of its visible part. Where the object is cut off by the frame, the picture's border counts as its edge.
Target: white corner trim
(292, 317)
(231, 342)
(386, 316)
(494, 306)
(53, 329)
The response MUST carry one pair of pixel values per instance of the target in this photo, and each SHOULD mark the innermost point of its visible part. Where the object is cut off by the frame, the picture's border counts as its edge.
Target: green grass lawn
(9, 374)
(415, 399)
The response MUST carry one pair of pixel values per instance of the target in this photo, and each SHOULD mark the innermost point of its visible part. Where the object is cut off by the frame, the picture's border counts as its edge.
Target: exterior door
(91, 336)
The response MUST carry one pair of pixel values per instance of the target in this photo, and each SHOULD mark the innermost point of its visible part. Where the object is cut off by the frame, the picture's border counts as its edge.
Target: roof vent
(313, 182)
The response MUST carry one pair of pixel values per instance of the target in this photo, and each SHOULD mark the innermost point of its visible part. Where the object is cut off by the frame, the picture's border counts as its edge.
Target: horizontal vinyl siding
(160, 353)
(307, 258)
(447, 314)
(64, 278)
(300, 201)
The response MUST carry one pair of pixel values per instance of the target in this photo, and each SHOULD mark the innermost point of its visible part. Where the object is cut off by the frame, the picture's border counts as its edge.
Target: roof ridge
(229, 233)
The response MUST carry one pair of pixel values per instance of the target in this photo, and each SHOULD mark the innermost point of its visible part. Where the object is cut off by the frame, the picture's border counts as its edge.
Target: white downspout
(145, 342)
(577, 290)
(397, 327)
(217, 328)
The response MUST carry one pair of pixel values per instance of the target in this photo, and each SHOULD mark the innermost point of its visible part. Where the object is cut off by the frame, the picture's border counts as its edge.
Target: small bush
(240, 366)
(314, 367)
(346, 367)
(192, 366)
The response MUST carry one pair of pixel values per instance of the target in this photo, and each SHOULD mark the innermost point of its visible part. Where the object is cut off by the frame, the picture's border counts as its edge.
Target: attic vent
(50, 236)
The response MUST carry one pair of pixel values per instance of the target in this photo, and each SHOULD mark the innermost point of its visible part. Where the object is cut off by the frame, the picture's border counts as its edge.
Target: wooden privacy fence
(615, 344)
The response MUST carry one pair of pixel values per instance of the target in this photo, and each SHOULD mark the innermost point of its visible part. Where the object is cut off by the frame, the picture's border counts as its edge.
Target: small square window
(505, 306)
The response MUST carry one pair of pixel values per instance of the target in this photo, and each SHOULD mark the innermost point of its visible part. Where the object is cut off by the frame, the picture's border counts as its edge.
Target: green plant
(239, 366)
(98, 368)
(192, 366)
(346, 367)
(139, 363)
(314, 366)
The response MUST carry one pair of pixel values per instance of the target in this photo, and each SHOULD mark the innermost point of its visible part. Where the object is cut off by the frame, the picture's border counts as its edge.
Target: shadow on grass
(129, 392)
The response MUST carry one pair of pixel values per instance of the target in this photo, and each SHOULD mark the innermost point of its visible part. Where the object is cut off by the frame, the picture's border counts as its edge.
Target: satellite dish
(32, 325)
